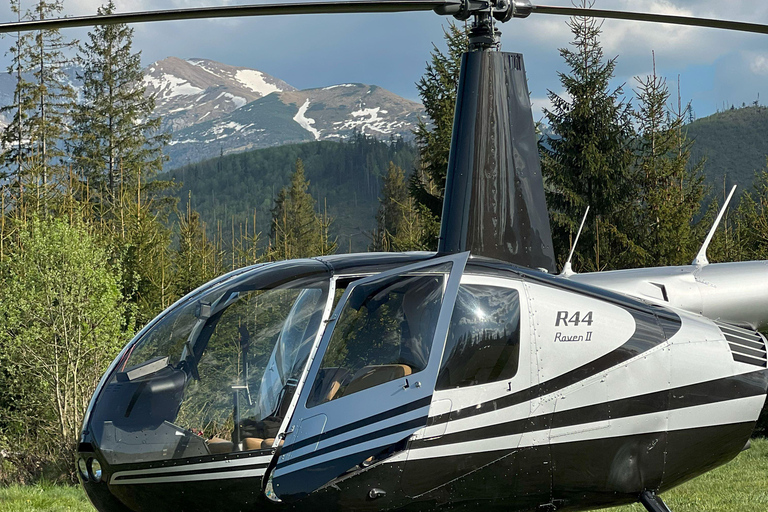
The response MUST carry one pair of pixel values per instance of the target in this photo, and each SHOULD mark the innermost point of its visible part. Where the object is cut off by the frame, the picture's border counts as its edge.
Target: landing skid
(653, 503)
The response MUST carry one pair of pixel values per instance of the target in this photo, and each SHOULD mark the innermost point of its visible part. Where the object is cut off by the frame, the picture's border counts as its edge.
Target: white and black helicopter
(471, 378)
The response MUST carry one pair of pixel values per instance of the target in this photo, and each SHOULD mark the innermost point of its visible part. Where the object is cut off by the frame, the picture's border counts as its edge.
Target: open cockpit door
(371, 382)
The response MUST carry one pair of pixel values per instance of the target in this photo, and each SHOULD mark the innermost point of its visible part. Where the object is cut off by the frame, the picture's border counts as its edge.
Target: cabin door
(370, 385)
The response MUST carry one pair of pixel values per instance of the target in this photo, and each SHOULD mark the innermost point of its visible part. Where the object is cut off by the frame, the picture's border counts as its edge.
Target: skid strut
(653, 503)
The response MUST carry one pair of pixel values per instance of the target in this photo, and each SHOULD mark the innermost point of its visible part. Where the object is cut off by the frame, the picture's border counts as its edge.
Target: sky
(717, 68)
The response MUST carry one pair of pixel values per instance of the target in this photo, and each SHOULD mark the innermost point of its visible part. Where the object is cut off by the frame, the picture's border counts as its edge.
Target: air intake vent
(746, 346)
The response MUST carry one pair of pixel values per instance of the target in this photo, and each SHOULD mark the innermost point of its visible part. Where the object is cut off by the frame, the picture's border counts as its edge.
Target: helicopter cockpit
(216, 374)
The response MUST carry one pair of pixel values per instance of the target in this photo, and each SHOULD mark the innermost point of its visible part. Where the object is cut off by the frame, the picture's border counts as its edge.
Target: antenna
(567, 269)
(701, 258)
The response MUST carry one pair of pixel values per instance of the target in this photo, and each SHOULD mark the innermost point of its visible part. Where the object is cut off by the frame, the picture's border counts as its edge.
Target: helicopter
(474, 377)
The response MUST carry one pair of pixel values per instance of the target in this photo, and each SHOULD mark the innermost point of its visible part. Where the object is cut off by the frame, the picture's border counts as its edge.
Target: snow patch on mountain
(254, 80)
(370, 119)
(237, 100)
(306, 122)
(169, 86)
(340, 85)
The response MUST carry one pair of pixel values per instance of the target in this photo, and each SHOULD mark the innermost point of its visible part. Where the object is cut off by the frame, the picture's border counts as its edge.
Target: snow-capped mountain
(210, 108)
(328, 113)
(190, 91)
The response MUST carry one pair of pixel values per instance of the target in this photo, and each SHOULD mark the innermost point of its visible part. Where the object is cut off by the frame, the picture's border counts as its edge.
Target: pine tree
(14, 135)
(437, 90)
(35, 136)
(587, 161)
(116, 135)
(670, 188)
(195, 261)
(296, 230)
(400, 225)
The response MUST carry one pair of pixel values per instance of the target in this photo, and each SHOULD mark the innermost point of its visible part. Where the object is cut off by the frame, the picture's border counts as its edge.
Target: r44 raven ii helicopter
(470, 378)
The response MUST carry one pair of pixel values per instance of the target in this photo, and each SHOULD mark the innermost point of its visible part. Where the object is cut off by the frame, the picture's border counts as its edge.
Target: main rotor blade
(656, 18)
(348, 6)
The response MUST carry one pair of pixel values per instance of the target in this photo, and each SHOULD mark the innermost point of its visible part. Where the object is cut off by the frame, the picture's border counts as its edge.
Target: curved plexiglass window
(217, 373)
(384, 332)
(483, 343)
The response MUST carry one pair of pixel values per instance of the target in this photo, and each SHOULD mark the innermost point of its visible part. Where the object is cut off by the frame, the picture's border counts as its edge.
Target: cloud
(390, 50)
(759, 65)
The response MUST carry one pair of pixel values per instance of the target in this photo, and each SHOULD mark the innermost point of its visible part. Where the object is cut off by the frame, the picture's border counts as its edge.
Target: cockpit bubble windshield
(215, 374)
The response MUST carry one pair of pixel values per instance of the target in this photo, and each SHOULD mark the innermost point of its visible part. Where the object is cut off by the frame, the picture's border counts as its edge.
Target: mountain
(734, 143)
(291, 116)
(344, 176)
(190, 91)
(212, 108)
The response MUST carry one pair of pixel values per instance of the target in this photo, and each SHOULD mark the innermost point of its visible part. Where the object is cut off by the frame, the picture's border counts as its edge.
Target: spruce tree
(116, 135)
(296, 230)
(437, 90)
(400, 225)
(670, 187)
(34, 139)
(587, 160)
(195, 261)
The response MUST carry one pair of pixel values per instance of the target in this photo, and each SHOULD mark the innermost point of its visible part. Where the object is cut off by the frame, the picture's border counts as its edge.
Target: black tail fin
(494, 195)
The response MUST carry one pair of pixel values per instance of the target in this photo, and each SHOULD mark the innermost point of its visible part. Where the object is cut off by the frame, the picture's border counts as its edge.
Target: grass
(738, 486)
(44, 497)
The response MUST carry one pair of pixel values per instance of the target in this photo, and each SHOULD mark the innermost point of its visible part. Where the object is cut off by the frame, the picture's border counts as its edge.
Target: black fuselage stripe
(703, 393)
(647, 335)
(191, 471)
(386, 415)
(409, 426)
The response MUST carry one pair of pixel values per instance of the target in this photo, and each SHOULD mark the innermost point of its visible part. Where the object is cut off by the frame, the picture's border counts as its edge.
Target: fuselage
(412, 382)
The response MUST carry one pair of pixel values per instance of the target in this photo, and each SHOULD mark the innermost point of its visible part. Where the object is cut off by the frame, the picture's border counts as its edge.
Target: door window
(483, 342)
(384, 332)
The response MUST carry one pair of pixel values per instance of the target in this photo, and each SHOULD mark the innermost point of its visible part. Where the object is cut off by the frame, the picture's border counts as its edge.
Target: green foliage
(588, 159)
(670, 189)
(195, 260)
(733, 144)
(296, 230)
(743, 233)
(401, 224)
(437, 90)
(62, 319)
(116, 136)
(240, 189)
(32, 152)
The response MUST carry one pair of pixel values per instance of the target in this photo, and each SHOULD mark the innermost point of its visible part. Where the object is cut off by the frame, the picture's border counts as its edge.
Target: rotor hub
(483, 34)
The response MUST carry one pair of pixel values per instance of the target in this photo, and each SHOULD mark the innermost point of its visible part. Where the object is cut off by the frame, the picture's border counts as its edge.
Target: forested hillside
(735, 144)
(344, 176)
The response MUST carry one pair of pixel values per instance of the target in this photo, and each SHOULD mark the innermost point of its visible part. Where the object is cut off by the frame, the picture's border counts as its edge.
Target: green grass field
(736, 487)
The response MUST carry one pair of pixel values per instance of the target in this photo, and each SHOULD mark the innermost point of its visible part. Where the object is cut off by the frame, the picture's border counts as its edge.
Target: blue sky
(717, 68)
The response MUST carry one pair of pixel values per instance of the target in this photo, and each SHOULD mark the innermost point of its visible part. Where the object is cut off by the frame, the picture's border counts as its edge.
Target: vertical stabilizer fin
(567, 269)
(494, 194)
(701, 258)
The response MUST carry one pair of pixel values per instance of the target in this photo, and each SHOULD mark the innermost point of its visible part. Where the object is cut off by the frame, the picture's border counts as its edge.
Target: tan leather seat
(218, 445)
(370, 376)
(252, 443)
